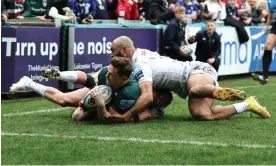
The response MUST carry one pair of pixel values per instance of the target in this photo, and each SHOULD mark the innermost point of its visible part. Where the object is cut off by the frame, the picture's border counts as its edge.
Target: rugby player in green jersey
(117, 75)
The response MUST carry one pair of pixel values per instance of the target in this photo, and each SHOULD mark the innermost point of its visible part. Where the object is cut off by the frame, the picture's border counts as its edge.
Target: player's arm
(143, 74)
(103, 114)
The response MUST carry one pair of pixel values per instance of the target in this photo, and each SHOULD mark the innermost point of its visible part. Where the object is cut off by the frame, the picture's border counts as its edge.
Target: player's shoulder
(130, 91)
(101, 76)
(141, 54)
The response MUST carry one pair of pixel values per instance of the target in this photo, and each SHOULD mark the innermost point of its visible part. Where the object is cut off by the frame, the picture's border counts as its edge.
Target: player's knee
(193, 92)
(269, 45)
(90, 82)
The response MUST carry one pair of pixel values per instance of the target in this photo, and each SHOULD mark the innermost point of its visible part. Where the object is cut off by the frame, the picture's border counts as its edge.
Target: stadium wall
(29, 50)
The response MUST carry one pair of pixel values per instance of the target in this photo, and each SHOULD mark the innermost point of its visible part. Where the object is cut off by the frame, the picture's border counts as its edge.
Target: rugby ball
(89, 103)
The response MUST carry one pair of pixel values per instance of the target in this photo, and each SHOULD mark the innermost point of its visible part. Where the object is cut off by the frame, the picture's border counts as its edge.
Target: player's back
(164, 72)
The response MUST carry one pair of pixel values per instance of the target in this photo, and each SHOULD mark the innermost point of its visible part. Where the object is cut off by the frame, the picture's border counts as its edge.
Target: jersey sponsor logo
(126, 104)
(144, 52)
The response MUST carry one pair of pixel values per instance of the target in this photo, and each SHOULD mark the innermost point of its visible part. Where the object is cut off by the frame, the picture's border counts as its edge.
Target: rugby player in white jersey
(194, 79)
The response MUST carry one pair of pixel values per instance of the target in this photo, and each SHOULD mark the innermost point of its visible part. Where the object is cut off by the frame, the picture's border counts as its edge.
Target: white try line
(35, 112)
(141, 140)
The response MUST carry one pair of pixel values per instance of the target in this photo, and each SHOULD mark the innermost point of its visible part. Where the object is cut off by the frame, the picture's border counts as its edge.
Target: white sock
(68, 76)
(241, 107)
(38, 88)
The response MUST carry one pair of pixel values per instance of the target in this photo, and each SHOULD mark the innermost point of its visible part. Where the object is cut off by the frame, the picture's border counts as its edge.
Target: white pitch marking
(251, 86)
(34, 112)
(142, 140)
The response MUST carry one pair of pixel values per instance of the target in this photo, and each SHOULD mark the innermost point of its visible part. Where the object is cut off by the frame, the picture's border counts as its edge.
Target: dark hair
(210, 20)
(123, 66)
(163, 98)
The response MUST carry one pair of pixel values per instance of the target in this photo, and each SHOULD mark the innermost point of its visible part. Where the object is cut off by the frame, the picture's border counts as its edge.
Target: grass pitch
(35, 131)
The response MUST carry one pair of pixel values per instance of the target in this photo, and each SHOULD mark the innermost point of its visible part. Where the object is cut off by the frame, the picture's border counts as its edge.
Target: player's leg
(203, 109)
(267, 58)
(204, 87)
(76, 77)
(65, 99)
(50, 93)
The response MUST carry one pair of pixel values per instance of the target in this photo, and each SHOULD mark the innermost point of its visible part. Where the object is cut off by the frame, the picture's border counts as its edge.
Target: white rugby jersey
(163, 72)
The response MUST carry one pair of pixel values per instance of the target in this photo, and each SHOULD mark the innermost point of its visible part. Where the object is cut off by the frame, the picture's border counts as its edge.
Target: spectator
(60, 5)
(36, 9)
(263, 8)
(232, 10)
(255, 14)
(60, 10)
(214, 10)
(84, 10)
(208, 46)
(14, 8)
(159, 13)
(191, 10)
(244, 12)
(4, 12)
(174, 36)
(103, 7)
(232, 19)
(143, 7)
(130, 9)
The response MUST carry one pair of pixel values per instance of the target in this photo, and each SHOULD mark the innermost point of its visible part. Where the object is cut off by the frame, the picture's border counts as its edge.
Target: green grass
(176, 125)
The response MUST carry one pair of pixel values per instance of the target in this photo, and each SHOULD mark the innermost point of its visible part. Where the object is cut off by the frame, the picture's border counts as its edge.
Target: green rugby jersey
(123, 98)
(37, 8)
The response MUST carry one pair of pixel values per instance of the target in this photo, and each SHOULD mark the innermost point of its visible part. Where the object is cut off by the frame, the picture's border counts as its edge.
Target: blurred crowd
(249, 12)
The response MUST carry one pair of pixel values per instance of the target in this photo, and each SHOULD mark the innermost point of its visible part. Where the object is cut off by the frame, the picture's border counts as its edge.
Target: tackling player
(117, 76)
(194, 79)
(270, 43)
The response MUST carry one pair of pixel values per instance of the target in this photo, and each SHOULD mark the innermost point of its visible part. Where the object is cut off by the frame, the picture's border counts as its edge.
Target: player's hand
(83, 21)
(127, 117)
(211, 60)
(191, 40)
(66, 9)
(41, 18)
(4, 17)
(72, 18)
(20, 17)
(98, 97)
(116, 117)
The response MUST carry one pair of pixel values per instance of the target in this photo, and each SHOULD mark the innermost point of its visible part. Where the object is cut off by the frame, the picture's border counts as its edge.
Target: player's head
(162, 98)
(122, 47)
(119, 72)
(210, 27)
(179, 12)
